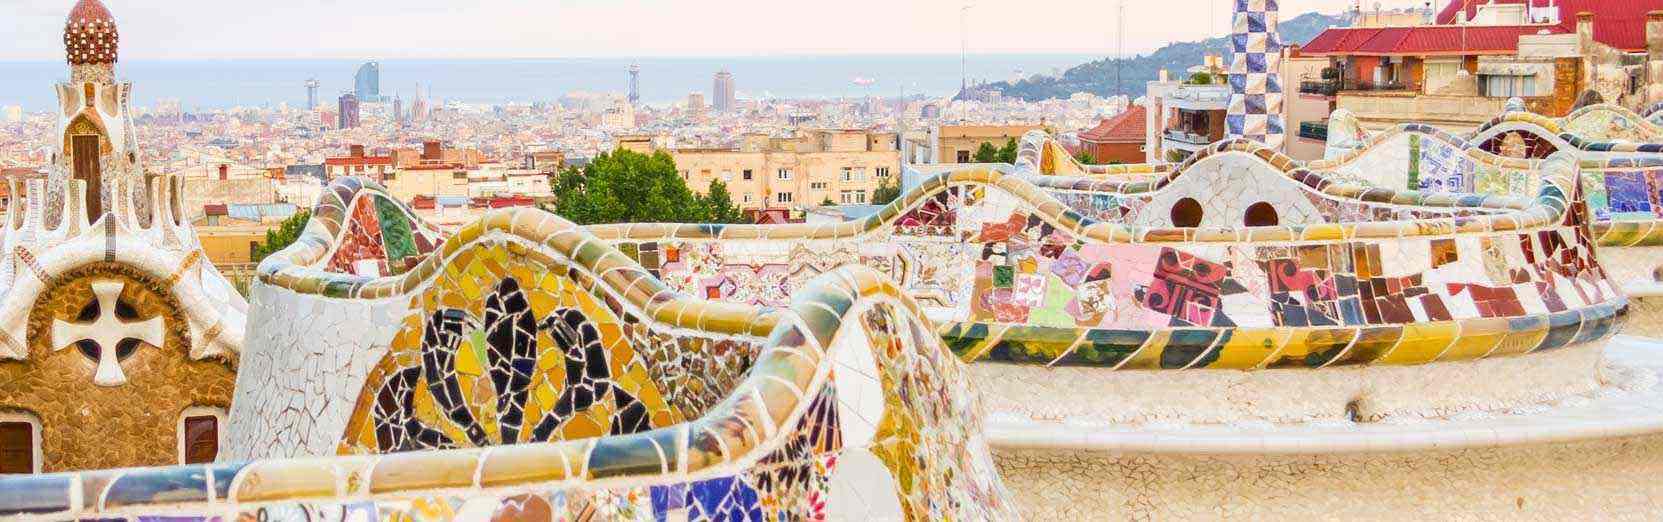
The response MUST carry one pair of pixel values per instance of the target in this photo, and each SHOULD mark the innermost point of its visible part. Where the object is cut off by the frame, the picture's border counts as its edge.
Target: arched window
(1187, 213)
(1261, 214)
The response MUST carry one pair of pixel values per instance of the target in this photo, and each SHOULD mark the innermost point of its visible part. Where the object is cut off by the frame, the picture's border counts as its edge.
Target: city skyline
(556, 31)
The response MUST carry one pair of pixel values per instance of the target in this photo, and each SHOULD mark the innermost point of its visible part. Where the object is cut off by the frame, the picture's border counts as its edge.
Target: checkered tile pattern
(1255, 83)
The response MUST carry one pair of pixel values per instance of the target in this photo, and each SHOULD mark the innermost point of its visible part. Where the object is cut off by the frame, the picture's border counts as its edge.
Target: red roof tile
(1617, 23)
(1126, 127)
(1423, 40)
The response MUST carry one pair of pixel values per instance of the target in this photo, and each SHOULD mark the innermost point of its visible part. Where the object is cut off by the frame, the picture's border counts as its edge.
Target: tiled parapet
(523, 328)
(1094, 272)
(1595, 128)
(1620, 180)
(1040, 153)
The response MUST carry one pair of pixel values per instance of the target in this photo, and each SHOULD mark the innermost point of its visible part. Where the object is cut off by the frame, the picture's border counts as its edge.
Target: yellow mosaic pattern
(464, 284)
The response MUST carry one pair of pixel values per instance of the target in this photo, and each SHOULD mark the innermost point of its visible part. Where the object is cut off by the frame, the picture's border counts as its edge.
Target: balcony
(1199, 97)
(1186, 137)
(1314, 130)
(1356, 85)
(1319, 87)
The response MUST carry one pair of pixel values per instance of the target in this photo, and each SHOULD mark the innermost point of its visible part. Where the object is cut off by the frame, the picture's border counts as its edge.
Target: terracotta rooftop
(1422, 40)
(1617, 23)
(1127, 127)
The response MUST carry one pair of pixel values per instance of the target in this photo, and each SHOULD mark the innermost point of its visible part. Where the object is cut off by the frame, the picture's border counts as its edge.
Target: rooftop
(1126, 127)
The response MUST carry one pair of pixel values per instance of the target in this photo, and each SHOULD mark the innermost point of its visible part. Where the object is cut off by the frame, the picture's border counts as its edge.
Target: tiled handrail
(1638, 156)
(1040, 153)
(732, 435)
(1546, 209)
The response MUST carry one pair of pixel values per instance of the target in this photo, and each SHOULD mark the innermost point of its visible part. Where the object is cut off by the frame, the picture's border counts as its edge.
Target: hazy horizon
(510, 29)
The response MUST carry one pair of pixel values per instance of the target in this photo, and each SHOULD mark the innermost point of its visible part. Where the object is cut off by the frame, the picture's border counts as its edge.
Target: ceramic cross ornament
(105, 333)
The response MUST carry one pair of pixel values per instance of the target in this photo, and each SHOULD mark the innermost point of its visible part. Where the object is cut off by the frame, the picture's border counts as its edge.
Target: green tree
(719, 207)
(281, 237)
(887, 192)
(1084, 157)
(988, 153)
(629, 187)
(1007, 154)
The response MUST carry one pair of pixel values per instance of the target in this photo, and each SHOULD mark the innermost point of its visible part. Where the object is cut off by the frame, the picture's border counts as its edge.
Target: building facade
(840, 166)
(958, 143)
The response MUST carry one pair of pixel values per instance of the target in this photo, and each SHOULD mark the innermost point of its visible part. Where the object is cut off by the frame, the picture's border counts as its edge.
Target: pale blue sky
(353, 29)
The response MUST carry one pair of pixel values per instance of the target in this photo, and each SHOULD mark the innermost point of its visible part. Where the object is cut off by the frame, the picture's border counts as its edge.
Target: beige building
(427, 180)
(842, 166)
(958, 143)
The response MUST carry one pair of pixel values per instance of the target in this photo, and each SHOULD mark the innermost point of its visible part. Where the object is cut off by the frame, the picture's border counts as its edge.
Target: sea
(215, 84)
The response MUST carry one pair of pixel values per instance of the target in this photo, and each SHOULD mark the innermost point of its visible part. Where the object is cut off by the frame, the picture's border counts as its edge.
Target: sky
(386, 29)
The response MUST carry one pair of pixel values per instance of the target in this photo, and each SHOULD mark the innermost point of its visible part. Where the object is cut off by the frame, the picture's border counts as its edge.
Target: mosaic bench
(1083, 305)
(1621, 179)
(522, 369)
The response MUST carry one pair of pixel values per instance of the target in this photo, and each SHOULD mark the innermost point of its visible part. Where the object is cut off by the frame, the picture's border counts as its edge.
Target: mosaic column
(1255, 82)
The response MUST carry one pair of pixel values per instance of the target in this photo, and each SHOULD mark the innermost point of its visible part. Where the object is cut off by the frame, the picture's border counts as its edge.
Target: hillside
(1098, 77)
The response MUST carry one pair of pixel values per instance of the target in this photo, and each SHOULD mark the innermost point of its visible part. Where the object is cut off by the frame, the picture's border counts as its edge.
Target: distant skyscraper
(634, 84)
(398, 111)
(312, 94)
(368, 83)
(695, 104)
(723, 93)
(347, 118)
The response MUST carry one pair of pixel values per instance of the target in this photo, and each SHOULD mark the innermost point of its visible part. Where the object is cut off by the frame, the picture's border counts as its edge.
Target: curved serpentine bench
(523, 369)
(1621, 179)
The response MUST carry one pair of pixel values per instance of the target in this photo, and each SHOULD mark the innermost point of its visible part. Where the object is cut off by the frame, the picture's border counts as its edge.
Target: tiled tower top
(90, 35)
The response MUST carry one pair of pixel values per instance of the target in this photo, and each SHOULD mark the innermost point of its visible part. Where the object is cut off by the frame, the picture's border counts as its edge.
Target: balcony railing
(1319, 87)
(1374, 86)
(1313, 130)
(1183, 136)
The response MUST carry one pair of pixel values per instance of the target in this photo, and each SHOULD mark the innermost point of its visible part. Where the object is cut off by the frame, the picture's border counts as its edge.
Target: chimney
(1585, 30)
(357, 151)
(224, 172)
(1654, 36)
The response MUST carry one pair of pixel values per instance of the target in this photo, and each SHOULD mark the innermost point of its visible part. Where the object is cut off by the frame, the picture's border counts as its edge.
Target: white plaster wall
(302, 368)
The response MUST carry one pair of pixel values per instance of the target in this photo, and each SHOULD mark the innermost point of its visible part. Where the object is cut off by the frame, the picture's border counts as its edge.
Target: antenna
(964, 49)
(1120, 47)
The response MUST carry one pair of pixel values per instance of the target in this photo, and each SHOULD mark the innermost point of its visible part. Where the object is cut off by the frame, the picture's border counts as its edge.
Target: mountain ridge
(1098, 77)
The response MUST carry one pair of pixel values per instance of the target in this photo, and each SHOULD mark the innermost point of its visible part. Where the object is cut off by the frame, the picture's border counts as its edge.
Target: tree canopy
(284, 235)
(987, 153)
(629, 187)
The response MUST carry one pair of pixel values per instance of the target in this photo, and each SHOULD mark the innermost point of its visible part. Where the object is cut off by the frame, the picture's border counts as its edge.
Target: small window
(783, 197)
(747, 198)
(882, 172)
(783, 175)
(747, 174)
(199, 434)
(1261, 214)
(19, 447)
(390, 176)
(964, 156)
(1187, 213)
(459, 175)
(818, 185)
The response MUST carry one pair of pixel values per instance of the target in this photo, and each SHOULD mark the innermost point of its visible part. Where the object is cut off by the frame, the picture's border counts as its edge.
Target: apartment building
(1459, 71)
(805, 170)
